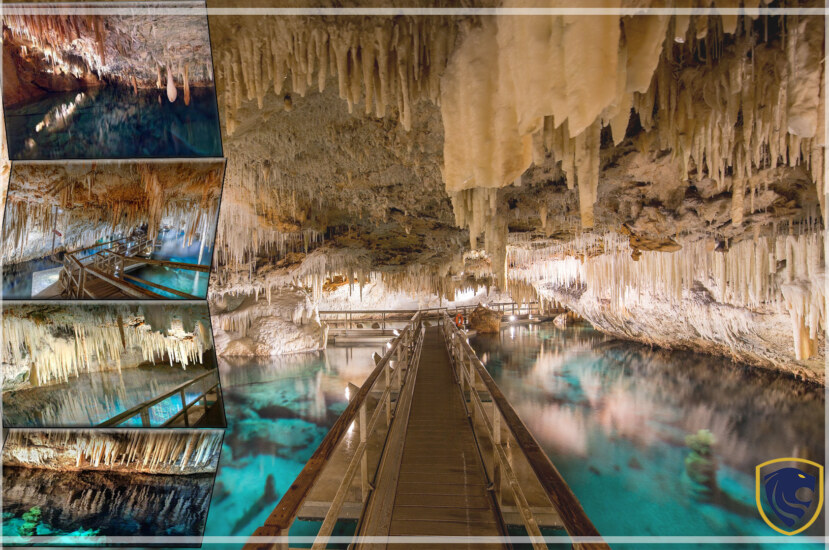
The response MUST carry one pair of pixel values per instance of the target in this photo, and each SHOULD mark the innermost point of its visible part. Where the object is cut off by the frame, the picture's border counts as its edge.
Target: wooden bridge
(375, 326)
(428, 447)
(102, 271)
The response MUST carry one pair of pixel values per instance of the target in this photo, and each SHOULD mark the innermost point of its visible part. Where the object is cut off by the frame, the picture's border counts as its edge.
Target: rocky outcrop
(485, 320)
(284, 322)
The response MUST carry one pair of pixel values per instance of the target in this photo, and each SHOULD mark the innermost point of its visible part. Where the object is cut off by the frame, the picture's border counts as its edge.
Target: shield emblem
(789, 493)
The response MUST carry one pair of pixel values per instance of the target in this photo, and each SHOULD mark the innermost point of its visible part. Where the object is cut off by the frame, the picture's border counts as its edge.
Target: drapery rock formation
(635, 144)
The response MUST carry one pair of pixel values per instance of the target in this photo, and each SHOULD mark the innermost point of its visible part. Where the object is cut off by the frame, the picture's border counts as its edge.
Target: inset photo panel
(130, 365)
(110, 230)
(108, 488)
(109, 80)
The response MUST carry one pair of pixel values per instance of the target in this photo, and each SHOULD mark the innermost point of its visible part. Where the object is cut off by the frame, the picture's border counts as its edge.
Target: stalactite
(186, 78)
(101, 200)
(153, 451)
(746, 275)
(112, 46)
(172, 94)
(383, 62)
(38, 339)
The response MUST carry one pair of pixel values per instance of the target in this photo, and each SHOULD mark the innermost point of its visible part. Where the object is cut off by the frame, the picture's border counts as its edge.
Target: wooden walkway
(442, 486)
(441, 464)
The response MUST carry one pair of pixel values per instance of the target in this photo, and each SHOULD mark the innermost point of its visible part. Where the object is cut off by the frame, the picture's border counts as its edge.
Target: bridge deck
(442, 487)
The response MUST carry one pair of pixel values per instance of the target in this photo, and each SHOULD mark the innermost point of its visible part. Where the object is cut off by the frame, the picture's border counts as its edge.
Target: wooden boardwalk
(442, 485)
(450, 469)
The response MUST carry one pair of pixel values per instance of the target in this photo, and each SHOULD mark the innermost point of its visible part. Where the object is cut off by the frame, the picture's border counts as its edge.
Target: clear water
(92, 398)
(103, 504)
(278, 412)
(114, 122)
(174, 249)
(613, 416)
(17, 278)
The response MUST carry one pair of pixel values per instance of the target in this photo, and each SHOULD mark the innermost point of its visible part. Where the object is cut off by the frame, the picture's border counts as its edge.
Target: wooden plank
(442, 484)
(444, 528)
(442, 501)
(125, 286)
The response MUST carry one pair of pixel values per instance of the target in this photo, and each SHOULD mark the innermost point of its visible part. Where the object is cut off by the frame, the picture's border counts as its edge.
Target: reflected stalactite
(107, 503)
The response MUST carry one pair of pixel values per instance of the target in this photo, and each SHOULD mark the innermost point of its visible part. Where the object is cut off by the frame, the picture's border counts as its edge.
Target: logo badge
(791, 489)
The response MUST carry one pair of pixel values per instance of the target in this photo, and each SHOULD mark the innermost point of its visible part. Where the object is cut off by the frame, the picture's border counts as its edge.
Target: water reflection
(115, 122)
(614, 415)
(103, 503)
(279, 409)
(92, 398)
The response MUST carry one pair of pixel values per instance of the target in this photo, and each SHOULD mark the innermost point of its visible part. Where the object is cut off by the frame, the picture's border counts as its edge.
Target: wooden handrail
(286, 510)
(175, 265)
(421, 310)
(129, 413)
(99, 244)
(188, 406)
(125, 286)
(107, 258)
(157, 286)
(561, 496)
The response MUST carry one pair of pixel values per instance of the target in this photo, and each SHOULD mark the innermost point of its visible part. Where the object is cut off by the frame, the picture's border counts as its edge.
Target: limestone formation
(661, 175)
(485, 320)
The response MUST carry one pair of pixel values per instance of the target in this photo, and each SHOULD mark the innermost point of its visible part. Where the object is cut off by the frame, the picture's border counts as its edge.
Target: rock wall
(760, 302)
(286, 322)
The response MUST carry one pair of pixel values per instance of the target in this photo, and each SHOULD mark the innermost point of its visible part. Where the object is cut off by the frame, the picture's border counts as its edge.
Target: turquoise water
(174, 249)
(114, 122)
(91, 398)
(17, 278)
(613, 417)
(278, 412)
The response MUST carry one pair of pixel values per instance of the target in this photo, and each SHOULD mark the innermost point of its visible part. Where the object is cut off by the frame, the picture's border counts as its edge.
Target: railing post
(184, 408)
(496, 461)
(472, 408)
(145, 418)
(387, 370)
(363, 459)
